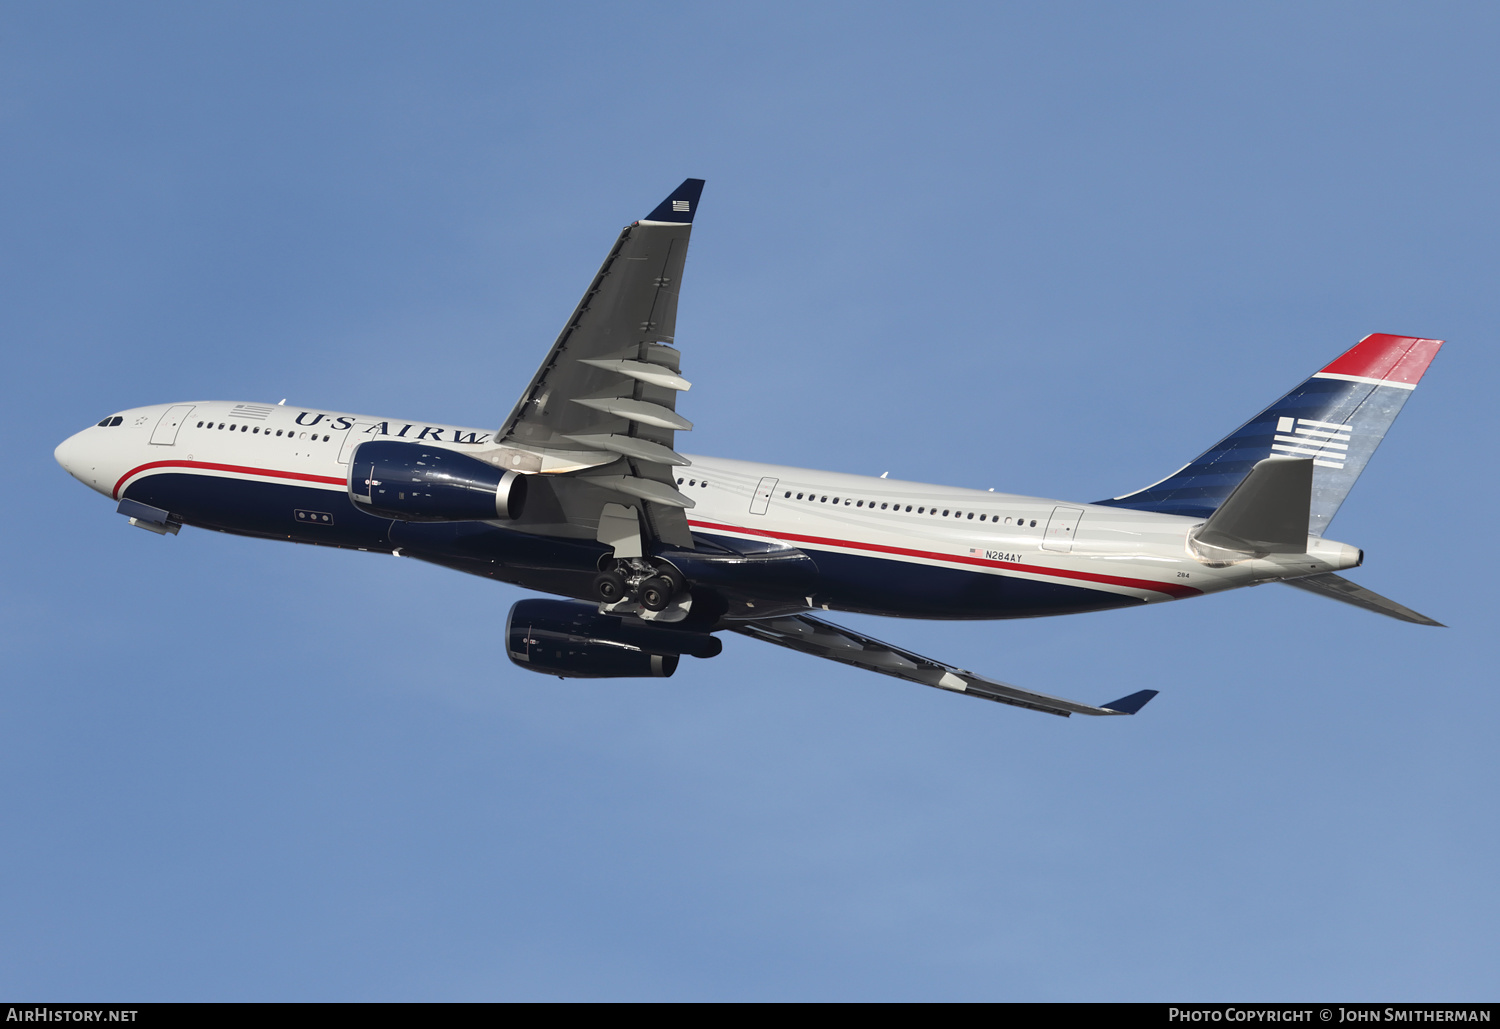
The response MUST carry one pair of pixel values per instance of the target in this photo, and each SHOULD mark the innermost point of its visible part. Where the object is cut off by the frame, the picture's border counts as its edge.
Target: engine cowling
(414, 482)
(573, 640)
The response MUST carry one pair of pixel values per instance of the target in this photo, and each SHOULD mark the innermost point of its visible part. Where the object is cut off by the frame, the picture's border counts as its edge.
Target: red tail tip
(1391, 358)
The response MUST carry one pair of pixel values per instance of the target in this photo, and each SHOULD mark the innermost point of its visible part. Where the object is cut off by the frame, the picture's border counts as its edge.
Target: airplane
(581, 493)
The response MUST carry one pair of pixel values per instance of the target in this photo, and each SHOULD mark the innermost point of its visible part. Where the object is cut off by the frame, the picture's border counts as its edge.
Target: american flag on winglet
(1327, 443)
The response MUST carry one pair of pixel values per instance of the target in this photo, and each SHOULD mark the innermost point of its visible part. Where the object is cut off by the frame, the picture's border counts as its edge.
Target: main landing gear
(654, 588)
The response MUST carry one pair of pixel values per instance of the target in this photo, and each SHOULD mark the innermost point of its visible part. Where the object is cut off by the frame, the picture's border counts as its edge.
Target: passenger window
(971, 517)
(920, 510)
(860, 504)
(1033, 523)
(823, 501)
(786, 495)
(692, 482)
(945, 512)
(278, 432)
(799, 495)
(679, 482)
(908, 509)
(200, 425)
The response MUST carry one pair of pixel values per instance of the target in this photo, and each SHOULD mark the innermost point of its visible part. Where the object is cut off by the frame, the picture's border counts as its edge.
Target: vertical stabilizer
(1337, 418)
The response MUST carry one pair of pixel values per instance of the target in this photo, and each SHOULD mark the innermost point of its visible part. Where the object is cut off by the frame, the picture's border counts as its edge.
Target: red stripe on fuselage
(1171, 589)
(270, 473)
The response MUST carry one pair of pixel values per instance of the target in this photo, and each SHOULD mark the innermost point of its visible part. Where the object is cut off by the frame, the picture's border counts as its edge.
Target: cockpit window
(116, 420)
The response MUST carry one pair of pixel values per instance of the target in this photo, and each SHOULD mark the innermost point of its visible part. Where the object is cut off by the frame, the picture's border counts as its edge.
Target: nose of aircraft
(79, 459)
(67, 453)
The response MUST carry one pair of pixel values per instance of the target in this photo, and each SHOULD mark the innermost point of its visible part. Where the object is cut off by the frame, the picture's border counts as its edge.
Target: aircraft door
(356, 435)
(165, 433)
(762, 498)
(1062, 527)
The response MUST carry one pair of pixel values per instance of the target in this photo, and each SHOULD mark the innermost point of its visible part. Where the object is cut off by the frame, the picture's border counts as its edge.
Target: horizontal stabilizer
(1131, 704)
(1267, 512)
(1337, 587)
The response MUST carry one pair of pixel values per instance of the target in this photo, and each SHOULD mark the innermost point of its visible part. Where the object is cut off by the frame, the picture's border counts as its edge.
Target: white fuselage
(849, 524)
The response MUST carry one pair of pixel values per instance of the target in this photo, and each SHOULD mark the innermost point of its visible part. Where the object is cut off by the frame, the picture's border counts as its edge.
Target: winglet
(1131, 704)
(681, 205)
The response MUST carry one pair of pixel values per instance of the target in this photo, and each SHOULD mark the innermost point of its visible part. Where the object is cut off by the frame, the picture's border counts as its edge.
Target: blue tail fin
(1338, 417)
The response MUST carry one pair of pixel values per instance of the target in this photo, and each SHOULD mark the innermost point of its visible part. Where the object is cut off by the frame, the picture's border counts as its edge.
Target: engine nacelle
(415, 482)
(573, 640)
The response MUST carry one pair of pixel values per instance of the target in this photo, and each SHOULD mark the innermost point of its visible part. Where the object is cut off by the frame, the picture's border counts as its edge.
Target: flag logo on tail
(1325, 442)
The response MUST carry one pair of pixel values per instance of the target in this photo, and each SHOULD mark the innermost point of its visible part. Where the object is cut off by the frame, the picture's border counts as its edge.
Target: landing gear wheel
(656, 593)
(609, 587)
(673, 577)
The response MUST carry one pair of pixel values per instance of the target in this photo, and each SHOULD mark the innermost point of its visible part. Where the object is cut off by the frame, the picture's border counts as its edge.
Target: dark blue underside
(844, 582)
(880, 586)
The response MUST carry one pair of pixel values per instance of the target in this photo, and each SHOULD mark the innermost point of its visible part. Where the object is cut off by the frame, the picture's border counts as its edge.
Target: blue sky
(1051, 248)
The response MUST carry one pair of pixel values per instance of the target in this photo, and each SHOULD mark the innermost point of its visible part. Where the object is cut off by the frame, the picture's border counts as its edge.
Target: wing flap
(646, 489)
(633, 446)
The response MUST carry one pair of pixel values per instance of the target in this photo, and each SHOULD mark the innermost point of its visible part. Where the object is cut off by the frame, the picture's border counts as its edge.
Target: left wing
(599, 417)
(823, 639)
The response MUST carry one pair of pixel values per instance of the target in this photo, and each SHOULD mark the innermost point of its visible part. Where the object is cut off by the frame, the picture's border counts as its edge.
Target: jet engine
(573, 640)
(416, 482)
